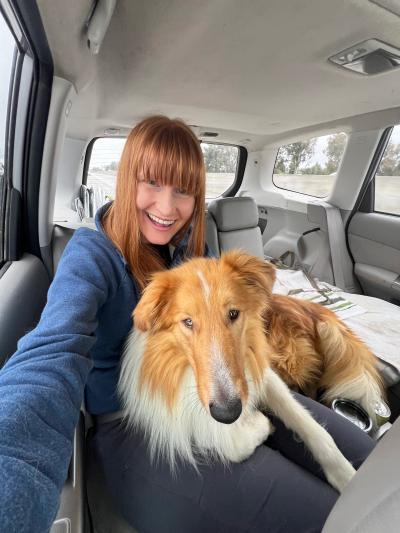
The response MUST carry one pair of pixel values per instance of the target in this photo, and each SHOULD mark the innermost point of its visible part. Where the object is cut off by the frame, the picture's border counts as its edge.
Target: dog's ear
(152, 306)
(255, 272)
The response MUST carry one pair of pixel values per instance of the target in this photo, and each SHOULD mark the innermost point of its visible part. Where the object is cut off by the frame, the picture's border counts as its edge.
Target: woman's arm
(41, 387)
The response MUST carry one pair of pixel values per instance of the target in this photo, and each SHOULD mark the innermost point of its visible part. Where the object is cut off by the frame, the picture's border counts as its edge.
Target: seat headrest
(232, 214)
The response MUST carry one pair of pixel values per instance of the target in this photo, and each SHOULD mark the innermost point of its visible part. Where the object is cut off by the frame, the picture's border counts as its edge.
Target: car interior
(297, 108)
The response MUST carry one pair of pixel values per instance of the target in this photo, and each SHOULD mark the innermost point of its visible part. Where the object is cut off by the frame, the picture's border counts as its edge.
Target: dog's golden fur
(313, 350)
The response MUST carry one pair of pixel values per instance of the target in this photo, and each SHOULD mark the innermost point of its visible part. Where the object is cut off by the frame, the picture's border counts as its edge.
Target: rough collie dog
(196, 374)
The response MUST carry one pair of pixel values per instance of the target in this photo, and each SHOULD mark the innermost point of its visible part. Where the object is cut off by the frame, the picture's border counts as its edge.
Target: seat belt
(341, 262)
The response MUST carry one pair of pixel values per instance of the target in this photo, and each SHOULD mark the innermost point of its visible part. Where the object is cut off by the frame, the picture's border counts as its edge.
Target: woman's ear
(255, 272)
(151, 310)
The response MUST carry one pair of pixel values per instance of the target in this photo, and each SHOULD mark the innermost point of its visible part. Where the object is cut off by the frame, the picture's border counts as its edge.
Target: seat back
(236, 221)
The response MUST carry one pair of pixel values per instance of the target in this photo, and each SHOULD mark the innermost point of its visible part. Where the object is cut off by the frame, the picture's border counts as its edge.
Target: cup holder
(354, 413)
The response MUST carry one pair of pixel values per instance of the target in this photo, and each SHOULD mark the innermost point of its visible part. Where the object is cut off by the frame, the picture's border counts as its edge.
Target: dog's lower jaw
(248, 434)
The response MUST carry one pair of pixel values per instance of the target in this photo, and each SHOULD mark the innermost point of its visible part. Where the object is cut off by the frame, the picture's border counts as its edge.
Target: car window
(387, 179)
(309, 166)
(7, 47)
(221, 166)
(103, 165)
(221, 162)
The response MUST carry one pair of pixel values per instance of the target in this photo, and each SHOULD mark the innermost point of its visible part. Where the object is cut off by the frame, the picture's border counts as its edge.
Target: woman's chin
(156, 235)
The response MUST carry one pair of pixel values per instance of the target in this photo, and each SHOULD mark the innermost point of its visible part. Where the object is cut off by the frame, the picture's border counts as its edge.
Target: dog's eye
(233, 314)
(188, 322)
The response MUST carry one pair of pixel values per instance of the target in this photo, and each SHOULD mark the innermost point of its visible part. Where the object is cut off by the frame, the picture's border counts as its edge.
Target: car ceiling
(250, 70)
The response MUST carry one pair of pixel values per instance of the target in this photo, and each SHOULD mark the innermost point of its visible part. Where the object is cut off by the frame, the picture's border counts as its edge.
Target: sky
(106, 150)
(321, 144)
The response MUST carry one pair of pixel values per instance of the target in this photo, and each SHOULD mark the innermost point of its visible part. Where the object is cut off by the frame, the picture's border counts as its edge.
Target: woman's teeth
(160, 220)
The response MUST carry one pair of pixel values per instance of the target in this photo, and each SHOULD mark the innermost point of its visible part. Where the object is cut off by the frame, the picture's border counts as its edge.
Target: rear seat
(61, 236)
(235, 225)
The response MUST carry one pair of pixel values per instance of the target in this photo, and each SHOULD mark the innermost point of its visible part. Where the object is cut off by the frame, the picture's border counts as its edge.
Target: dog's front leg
(246, 434)
(279, 399)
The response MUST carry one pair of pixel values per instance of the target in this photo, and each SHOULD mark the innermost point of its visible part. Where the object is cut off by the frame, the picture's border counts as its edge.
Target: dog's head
(207, 313)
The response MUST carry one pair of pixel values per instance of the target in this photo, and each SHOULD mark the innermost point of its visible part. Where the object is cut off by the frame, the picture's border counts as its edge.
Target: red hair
(165, 150)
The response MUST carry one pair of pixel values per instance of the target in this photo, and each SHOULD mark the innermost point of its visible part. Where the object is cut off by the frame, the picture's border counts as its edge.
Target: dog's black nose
(227, 412)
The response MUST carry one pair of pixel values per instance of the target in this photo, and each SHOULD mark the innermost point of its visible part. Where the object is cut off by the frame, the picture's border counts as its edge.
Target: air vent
(368, 57)
(208, 134)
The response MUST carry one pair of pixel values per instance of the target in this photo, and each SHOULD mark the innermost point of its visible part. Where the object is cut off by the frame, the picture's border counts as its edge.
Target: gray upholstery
(61, 235)
(231, 214)
(212, 234)
(236, 220)
(371, 503)
(389, 373)
(23, 288)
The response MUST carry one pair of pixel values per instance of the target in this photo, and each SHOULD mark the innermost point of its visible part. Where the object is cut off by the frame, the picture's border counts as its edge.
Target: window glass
(310, 166)
(103, 165)
(221, 164)
(387, 179)
(7, 46)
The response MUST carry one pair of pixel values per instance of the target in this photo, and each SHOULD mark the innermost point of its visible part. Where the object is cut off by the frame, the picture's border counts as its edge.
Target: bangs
(173, 158)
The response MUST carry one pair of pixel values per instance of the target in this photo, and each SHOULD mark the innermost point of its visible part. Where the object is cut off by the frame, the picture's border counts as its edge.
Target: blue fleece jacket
(77, 342)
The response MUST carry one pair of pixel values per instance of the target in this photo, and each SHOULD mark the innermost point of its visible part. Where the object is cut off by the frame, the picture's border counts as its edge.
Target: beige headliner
(257, 69)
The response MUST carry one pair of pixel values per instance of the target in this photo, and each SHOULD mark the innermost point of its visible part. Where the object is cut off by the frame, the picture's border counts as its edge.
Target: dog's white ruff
(189, 427)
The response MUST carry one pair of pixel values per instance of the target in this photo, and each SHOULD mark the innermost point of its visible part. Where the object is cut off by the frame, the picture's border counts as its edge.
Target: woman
(156, 220)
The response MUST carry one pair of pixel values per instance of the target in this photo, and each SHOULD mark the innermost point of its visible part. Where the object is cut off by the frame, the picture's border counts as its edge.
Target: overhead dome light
(368, 57)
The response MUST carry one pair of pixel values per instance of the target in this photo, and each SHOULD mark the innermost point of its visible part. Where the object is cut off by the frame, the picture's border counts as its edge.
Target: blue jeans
(280, 488)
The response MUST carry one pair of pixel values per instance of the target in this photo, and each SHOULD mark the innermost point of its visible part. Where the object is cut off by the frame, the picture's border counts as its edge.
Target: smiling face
(162, 210)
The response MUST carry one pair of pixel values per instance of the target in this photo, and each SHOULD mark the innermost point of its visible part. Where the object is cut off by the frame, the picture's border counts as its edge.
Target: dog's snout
(227, 412)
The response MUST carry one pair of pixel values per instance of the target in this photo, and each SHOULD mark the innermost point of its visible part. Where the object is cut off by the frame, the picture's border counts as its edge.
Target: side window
(221, 162)
(103, 166)
(387, 179)
(309, 166)
(7, 47)
(221, 166)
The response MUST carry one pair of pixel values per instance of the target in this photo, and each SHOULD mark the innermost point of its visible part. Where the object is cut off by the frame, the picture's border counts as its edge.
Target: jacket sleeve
(41, 388)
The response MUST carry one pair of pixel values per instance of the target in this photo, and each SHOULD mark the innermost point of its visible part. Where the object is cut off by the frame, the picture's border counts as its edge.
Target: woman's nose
(166, 201)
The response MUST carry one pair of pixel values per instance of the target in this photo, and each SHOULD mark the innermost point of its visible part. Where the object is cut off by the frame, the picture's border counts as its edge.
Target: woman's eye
(153, 183)
(233, 314)
(188, 322)
(182, 192)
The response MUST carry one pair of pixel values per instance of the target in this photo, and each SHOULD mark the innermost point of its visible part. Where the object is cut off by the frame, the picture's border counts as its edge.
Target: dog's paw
(253, 432)
(340, 474)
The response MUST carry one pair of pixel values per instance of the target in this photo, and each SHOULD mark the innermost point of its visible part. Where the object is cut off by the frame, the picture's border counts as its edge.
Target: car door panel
(374, 241)
(23, 288)
(300, 228)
